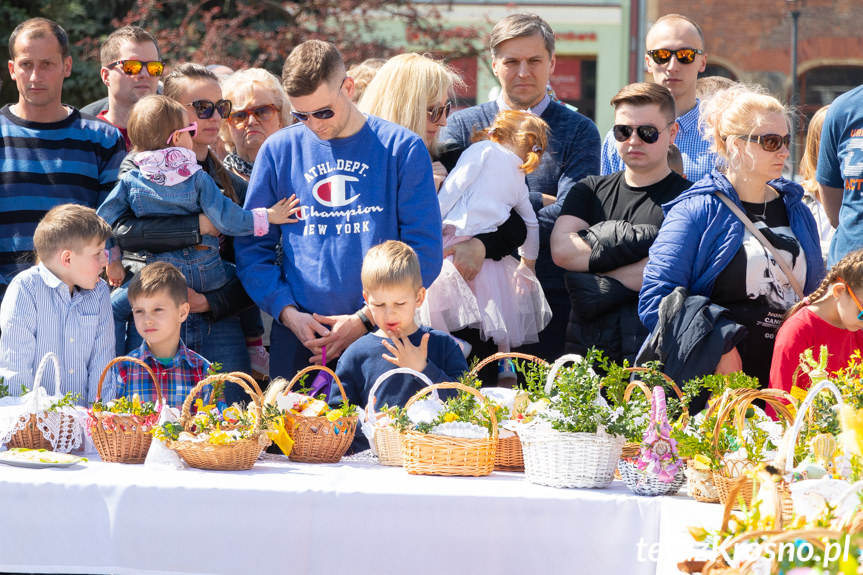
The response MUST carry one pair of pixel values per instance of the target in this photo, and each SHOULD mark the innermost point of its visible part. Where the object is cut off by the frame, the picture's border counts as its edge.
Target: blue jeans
(223, 342)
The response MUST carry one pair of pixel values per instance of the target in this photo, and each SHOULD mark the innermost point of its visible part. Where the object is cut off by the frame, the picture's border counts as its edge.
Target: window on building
(820, 86)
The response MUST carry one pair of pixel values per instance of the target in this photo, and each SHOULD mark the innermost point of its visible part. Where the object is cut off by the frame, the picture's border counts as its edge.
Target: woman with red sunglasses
(832, 315)
(724, 238)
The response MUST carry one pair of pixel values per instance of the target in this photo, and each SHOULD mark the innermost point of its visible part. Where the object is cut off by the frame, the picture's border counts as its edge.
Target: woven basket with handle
(122, 438)
(429, 454)
(734, 403)
(233, 456)
(31, 435)
(509, 456)
(563, 459)
(387, 439)
(316, 439)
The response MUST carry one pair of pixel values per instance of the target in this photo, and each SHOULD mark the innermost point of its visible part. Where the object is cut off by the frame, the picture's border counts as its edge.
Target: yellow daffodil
(450, 417)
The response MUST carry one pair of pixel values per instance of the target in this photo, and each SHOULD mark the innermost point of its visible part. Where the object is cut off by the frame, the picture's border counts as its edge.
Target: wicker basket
(234, 456)
(736, 404)
(642, 484)
(509, 455)
(428, 454)
(563, 459)
(316, 439)
(695, 490)
(121, 438)
(386, 440)
(31, 435)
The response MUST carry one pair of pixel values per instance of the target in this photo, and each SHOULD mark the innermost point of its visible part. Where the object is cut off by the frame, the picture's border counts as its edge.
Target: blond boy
(60, 305)
(392, 289)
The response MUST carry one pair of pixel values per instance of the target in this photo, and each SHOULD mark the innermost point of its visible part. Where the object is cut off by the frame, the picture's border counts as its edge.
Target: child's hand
(283, 210)
(116, 273)
(407, 354)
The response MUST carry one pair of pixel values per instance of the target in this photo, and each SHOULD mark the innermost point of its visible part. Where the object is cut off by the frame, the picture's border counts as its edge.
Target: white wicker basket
(563, 459)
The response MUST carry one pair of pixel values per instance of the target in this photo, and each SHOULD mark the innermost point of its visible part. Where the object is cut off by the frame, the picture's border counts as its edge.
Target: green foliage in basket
(69, 399)
(465, 407)
(716, 384)
(575, 404)
(124, 405)
(534, 376)
(4, 389)
(634, 415)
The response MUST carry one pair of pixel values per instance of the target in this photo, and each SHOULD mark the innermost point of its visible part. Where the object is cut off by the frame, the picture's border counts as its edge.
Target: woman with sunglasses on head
(213, 328)
(709, 242)
(260, 108)
(832, 315)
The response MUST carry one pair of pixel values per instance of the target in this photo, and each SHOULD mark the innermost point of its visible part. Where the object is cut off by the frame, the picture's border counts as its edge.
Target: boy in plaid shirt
(160, 305)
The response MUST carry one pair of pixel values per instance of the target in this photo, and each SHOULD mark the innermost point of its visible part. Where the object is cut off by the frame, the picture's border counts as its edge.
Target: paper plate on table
(38, 458)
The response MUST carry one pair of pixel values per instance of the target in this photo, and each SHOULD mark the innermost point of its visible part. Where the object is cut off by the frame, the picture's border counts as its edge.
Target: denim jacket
(201, 264)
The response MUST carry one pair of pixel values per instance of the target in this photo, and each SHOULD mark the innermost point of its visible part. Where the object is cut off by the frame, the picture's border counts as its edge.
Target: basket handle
(505, 355)
(555, 367)
(121, 359)
(637, 384)
(740, 402)
(250, 380)
(370, 404)
(460, 387)
(40, 372)
(801, 416)
(283, 386)
(186, 415)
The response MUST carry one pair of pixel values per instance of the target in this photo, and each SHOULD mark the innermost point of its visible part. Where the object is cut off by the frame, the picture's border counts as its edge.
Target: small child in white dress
(505, 301)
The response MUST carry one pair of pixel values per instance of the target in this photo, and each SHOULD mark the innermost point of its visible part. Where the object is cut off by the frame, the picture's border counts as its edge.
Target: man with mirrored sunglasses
(675, 56)
(608, 224)
(360, 180)
(523, 59)
(131, 69)
(51, 153)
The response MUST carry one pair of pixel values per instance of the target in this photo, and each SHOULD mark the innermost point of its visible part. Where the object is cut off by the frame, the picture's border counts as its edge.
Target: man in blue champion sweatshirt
(360, 181)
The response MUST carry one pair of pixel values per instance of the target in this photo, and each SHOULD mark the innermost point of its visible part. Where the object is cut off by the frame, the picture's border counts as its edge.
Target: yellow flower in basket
(333, 415)
(450, 417)
(218, 437)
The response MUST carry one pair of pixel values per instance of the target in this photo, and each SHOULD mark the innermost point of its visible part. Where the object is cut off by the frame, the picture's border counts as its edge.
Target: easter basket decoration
(632, 448)
(565, 458)
(123, 437)
(39, 421)
(433, 454)
(233, 447)
(509, 455)
(386, 440)
(317, 439)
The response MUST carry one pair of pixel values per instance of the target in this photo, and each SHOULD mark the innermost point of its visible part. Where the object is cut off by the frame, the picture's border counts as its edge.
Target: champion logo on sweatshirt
(332, 192)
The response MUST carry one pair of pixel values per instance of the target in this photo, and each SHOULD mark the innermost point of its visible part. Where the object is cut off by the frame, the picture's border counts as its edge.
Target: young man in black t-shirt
(608, 223)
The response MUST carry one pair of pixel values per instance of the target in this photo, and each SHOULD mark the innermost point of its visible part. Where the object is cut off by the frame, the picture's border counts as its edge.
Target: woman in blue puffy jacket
(704, 247)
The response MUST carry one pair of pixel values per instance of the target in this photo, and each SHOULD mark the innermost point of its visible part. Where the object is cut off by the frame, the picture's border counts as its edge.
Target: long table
(352, 517)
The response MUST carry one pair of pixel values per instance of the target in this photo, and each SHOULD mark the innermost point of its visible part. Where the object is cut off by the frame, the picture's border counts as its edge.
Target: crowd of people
(374, 229)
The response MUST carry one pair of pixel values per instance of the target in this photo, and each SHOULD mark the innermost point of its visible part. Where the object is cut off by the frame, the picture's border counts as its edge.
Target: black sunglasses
(204, 108)
(648, 134)
(770, 142)
(683, 55)
(322, 114)
(437, 112)
(133, 67)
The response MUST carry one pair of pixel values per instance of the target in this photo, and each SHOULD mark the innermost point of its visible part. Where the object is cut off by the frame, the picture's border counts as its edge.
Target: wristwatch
(366, 322)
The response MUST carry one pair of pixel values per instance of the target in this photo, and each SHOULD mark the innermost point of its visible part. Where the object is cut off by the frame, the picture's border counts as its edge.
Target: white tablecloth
(352, 517)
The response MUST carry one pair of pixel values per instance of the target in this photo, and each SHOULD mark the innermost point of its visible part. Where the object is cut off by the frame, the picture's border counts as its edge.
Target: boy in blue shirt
(60, 305)
(160, 305)
(393, 291)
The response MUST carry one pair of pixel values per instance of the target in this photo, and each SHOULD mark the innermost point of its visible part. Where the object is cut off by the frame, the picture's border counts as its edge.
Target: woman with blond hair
(260, 108)
(741, 237)
(808, 166)
(414, 91)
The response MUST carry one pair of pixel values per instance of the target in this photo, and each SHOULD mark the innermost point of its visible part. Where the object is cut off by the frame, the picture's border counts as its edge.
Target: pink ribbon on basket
(658, 449)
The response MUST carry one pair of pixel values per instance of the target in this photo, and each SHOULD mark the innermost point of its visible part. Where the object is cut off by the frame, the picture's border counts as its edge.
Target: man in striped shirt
(675, 56)
(49, 153)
